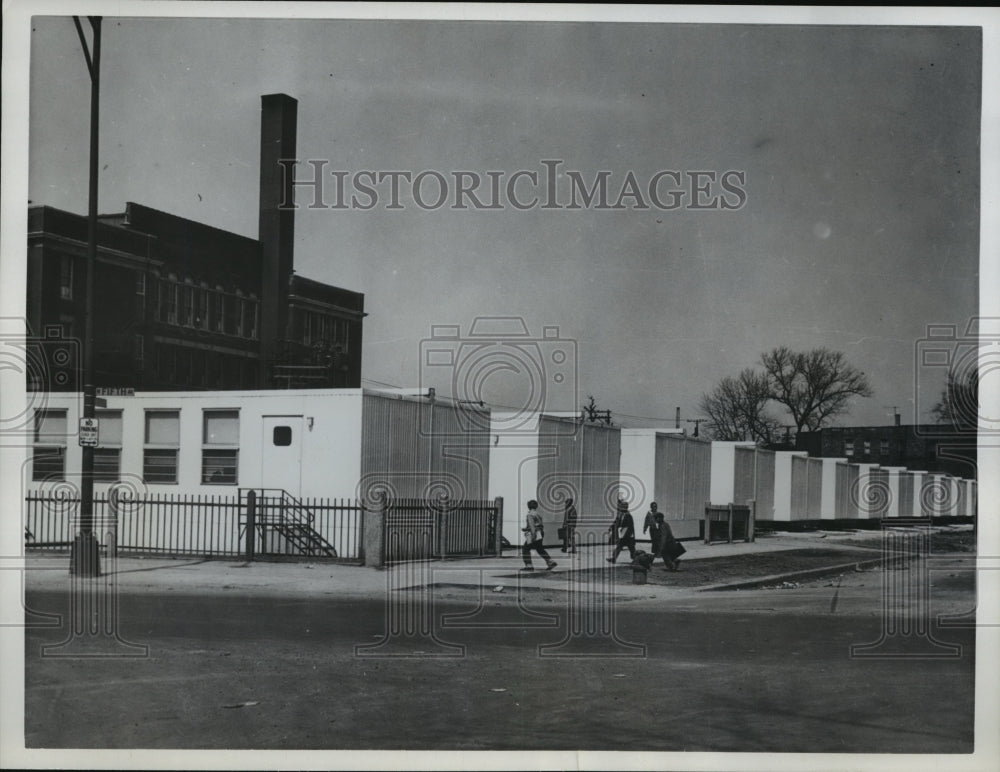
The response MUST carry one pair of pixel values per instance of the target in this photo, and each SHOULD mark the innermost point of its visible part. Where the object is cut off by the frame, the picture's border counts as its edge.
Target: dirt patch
(942, 542)
(953, 541)
(733, 568)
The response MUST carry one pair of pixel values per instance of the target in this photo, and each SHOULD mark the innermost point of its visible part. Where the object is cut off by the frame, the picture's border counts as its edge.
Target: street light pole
(85, 556)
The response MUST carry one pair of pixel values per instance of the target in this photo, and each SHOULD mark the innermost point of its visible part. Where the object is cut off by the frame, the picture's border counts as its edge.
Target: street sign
(115, 391)
(88, 432)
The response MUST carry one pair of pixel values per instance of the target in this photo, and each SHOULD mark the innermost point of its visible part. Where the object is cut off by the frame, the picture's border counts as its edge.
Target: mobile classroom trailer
(330, 444)
(673, 470)
(550, 457)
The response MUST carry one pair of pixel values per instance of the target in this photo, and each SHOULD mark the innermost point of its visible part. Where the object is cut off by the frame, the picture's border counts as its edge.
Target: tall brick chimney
(276, 226)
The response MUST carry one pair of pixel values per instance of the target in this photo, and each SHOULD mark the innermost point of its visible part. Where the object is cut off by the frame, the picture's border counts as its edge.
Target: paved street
(758, 670)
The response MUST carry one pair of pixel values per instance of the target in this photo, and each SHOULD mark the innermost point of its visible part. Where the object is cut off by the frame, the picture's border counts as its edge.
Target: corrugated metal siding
(814, 498)
(851, 503)
(582, 461)
(906, 494)
(601, 480)
(879, 493)
(842, 502)
(697, 483)
(422, 450)
(460, 449)
(683, 481)
(800, 488)
(559, 465)
(668, 489)
(764, 474)
(744, 474)
(960, 498)
(938, 497)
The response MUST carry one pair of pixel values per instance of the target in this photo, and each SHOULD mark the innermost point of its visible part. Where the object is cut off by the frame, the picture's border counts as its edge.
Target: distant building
(180, 305)
(925, 447)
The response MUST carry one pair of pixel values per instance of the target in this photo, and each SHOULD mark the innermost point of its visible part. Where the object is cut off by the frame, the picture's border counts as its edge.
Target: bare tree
(815, 386)
(959, 404)
(737, 409)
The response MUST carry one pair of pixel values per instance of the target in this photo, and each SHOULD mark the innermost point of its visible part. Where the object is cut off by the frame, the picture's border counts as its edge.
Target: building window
(162, 447)
(48, 460)
(139, 351)
(140, 294)
(884, 447)
(868, 448)
(250, 318)
(162, 290)
(173, 296)
(188, 308)
(220, 447)
(66, 277)
(201, 312)
(282, 436)
(107, 454)
(234, 314)
(848, 447)
(215, 311)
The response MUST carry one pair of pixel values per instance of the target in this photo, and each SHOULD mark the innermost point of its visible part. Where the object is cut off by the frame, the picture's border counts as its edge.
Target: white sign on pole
(88, 432)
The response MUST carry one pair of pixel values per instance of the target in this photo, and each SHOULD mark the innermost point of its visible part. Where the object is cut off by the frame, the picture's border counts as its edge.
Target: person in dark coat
(650, 524)
(624, 527)
(670, 549)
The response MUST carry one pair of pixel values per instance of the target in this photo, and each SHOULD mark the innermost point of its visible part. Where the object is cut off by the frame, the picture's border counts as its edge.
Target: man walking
(534, 533)
(650, 525)
(624, 527)
(569, 527)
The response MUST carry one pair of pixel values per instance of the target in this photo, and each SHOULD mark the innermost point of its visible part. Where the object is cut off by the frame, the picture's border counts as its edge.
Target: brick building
(181, 305)
(926, 447)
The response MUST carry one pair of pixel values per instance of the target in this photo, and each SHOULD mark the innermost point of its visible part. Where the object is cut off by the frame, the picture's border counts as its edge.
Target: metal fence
(416, 529)
(729, 523)
(168, 524)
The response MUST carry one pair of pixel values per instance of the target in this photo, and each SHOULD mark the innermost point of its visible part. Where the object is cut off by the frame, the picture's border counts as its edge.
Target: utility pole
(85, 555)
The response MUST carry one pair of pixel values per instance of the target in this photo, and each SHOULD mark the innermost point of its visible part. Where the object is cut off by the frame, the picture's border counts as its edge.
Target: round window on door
(282, 436)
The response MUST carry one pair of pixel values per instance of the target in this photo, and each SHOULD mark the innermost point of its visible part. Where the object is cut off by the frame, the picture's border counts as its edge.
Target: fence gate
(416, 529)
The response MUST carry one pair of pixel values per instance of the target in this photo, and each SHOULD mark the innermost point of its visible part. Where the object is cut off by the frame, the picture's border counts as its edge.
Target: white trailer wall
(328, 436)
(513, 470)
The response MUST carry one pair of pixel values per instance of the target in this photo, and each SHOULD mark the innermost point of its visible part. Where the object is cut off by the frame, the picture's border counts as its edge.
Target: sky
(857, 146)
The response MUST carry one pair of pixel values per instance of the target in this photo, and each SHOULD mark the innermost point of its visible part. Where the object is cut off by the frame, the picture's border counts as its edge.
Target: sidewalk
(325, 580)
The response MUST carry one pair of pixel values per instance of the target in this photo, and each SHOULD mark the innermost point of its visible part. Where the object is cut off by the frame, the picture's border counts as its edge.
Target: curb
(809, 573)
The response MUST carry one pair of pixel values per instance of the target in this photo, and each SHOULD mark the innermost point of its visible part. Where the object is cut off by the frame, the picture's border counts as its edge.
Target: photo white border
(13, 215)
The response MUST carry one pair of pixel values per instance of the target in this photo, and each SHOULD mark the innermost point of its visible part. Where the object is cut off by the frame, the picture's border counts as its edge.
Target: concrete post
(373, 542)
(251, 524)
(498, 541)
